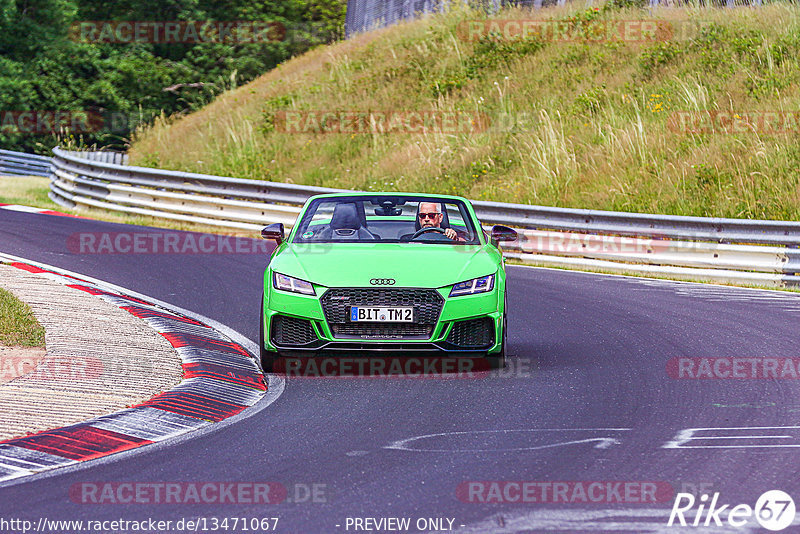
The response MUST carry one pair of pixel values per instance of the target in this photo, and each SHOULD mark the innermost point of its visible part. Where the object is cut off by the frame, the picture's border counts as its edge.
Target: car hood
(410, 264)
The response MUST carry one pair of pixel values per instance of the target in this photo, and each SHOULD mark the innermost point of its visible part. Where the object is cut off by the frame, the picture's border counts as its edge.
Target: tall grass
(595, 133)
(18, 326)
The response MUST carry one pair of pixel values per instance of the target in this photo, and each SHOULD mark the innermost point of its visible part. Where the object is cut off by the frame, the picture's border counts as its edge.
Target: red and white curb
(221, 379)
(29, 209)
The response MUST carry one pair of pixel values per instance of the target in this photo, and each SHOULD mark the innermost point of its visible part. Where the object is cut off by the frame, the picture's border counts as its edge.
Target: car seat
(347, 223)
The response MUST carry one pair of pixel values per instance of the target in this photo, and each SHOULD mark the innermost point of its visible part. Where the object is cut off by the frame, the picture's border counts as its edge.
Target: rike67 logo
(774, 510)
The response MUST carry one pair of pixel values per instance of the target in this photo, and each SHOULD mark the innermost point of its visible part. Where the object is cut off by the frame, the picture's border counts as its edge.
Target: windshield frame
(464, 209)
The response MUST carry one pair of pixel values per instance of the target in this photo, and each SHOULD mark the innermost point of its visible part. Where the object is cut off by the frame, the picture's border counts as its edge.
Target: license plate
(373, 314)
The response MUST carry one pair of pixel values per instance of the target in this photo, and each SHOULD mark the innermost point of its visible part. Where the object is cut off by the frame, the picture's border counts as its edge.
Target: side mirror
(503, 233)
(273, 231)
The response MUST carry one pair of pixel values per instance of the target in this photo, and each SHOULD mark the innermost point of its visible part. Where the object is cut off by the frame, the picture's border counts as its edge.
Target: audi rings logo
(382, 281)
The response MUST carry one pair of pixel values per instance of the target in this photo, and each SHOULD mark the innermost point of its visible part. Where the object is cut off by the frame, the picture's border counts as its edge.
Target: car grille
(475, 333)
(291, 331)
(382, 330)
(427, 305)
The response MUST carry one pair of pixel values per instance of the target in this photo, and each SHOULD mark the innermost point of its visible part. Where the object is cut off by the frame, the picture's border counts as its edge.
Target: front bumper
(295, 323)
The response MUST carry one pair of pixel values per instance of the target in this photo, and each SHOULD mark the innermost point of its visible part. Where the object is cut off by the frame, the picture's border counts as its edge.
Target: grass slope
(598, 138)
(18, 326)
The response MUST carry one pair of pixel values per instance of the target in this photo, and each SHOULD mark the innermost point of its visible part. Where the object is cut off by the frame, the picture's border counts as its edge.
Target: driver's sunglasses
(431, 216)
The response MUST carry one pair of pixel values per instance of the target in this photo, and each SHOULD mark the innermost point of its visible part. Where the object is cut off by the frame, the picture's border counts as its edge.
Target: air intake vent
(475, 333)
(291, 331)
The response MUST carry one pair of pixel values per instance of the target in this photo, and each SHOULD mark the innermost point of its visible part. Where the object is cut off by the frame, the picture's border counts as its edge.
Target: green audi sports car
(385, 272)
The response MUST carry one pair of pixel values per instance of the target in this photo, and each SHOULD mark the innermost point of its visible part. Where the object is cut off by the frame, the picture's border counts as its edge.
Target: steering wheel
(426, 230)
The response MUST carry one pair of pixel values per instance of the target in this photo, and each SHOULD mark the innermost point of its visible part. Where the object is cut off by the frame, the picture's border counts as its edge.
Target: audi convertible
(379, 273)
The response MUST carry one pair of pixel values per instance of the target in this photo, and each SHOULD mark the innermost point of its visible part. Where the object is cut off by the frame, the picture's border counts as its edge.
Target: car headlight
(471, 287)
(295, 285)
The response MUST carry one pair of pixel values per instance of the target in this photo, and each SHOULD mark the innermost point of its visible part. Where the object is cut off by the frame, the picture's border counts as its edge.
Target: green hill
(595, 119)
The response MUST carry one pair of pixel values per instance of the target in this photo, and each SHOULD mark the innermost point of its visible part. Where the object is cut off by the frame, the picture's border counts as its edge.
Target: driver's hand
(449, 232)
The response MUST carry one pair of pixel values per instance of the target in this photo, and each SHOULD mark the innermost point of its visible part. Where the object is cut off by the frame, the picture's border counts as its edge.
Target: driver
(430, 216)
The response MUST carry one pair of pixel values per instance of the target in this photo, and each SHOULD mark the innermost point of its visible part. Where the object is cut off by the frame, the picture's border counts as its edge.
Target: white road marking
(690, 434)
(602, 442)
(715, 293)
(26, 209)
(683, 287)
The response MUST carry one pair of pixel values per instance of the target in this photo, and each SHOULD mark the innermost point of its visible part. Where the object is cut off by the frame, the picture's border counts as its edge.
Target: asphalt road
(587, 398)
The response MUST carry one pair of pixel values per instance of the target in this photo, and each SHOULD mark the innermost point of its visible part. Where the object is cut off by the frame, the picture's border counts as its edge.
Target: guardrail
(22, 164)
(104, 156)
(696, 248)
(200, 198)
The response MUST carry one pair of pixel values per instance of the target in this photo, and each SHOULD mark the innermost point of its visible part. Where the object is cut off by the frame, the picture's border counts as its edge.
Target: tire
(267, 357)
(498, 361)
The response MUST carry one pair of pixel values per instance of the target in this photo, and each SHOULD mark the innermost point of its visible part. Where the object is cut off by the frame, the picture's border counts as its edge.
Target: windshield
(387, 219)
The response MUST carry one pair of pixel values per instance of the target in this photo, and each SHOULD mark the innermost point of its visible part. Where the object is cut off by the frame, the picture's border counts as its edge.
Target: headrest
(345, 215)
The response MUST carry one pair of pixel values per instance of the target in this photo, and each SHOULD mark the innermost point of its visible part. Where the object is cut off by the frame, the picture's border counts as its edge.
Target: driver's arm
(455, 235)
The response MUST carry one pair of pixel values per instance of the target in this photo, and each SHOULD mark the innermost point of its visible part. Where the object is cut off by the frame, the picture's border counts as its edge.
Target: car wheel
(498, 361)
(267, 357)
